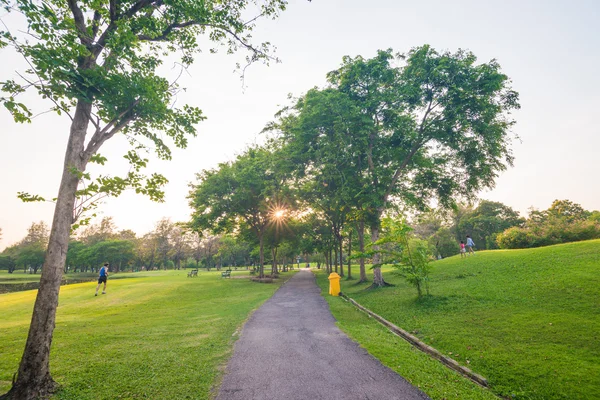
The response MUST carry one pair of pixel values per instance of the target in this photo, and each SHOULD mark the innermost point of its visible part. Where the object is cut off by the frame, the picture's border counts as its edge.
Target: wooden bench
(193, 273)
(226, 274)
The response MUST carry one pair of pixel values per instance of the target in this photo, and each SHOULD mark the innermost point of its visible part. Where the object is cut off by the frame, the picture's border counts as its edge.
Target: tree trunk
(349, 254)
(34, 379)
(261, 270)
(340, 241)
(335, 257)
(377, 275)
(361, 248)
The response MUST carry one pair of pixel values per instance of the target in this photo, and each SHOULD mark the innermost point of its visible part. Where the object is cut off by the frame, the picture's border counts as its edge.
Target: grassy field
(528, 320)
(154, 335)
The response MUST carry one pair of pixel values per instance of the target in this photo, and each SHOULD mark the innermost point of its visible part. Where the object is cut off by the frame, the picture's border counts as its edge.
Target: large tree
(434, 127)
(97, 62)
(485, 222)
(245, 193)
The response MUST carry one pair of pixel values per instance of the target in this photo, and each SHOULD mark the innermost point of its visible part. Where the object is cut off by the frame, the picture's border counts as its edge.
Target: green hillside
(528, 320)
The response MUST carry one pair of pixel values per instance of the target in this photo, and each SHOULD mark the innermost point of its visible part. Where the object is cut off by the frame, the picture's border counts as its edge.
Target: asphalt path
(290, 348)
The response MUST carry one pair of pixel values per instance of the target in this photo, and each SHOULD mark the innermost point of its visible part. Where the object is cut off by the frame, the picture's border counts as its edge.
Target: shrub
(552, 232)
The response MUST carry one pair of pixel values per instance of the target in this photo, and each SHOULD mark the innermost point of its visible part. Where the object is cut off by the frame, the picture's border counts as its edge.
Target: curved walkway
(291, 349)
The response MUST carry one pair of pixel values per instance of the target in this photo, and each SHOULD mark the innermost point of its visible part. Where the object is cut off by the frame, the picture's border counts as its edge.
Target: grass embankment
(155, 335)
(527, 320)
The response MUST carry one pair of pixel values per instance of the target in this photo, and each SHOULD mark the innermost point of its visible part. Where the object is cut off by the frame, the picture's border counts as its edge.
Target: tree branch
(400, 169)
(169, 29)
(80, 23)
(96, 23)
(114, 126)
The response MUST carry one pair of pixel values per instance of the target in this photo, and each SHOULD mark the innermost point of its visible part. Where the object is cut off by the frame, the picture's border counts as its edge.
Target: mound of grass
(161, 335)
(527, 320)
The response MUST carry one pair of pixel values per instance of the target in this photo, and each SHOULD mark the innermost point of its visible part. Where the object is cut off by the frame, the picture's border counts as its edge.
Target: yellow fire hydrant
(334, 284)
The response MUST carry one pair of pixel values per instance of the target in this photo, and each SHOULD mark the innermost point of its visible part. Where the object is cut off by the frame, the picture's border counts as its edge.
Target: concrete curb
(464, 371)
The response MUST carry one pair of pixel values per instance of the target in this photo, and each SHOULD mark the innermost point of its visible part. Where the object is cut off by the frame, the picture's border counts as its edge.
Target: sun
(279, 214)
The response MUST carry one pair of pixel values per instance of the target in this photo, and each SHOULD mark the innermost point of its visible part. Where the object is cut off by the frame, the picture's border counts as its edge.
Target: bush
(514, 238)
(552, 232)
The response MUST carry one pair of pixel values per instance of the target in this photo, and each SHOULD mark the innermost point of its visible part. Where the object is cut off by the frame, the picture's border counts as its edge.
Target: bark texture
(361, 248)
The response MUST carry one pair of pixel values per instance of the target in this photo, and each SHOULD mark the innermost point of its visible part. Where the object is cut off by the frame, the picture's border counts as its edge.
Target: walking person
(102, 279)
(470, 245)
(462, 249)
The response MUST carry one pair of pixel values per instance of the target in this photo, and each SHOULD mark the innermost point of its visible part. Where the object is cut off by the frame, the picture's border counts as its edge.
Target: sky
(549, 49)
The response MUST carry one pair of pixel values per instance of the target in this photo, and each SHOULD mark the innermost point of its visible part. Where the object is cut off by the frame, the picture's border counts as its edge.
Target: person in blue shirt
(470, 245)
(102, 279)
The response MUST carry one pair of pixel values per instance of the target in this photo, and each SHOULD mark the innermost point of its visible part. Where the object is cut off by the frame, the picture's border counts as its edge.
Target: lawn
(527, 320)
(153, 335)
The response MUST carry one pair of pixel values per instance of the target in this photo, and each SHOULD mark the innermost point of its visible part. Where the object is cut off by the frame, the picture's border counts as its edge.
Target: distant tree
(103, 230)
(180, 242)
(427, 224)
(126, 234)
(37, 233)
(146, 251)
(210, 248)
(162, 235)
(444, 242)
(567, 211)
(239, 194)
(233, 250)
(196, 244)
(31, 255)
(8, 263)
(564, 221)
(75, 255)
(486, 221)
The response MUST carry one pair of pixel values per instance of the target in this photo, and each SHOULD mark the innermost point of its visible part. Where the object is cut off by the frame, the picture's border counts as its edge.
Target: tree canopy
(435, 127)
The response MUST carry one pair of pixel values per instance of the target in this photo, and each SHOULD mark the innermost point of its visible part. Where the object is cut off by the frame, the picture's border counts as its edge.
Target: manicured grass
(528, 320)
(437, 381)
(155, 335)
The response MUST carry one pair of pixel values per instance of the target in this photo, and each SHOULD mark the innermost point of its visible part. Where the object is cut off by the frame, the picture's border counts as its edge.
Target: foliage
(107, 55)
(485, 222)
(563, 222)
(7, 263)
(410, 255)
(524, 319)
(436, 127)
(31, 255)
(444, 243)
(243, 194)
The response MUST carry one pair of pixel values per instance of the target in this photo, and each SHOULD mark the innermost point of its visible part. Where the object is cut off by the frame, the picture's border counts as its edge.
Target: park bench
(226, 274)
(192, 273)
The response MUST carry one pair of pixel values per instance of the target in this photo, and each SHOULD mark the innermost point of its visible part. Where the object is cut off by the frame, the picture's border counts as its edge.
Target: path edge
(425, 348)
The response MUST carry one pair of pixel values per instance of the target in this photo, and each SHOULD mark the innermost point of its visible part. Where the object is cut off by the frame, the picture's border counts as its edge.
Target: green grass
(527, 320)
(436, 380)
(153, 335)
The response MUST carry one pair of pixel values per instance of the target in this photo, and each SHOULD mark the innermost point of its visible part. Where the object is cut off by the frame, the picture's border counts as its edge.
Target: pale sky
(550, 50)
